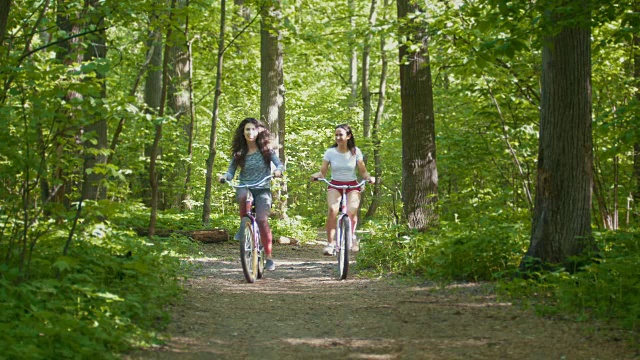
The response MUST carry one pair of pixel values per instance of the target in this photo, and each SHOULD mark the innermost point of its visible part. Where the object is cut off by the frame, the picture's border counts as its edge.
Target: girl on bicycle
(251, 151)
(343, 158)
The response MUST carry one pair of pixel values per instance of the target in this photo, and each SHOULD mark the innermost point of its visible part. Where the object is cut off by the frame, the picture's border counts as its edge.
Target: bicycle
(344, 235)
(251, 249)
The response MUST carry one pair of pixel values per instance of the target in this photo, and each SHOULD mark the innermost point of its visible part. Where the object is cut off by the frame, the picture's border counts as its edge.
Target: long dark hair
(239, 147)
(351, 143)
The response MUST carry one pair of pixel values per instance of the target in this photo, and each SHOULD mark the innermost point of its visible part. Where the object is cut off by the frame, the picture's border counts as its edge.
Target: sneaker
(238, 235)
(329, 250)
(270, 265)
(355, 244)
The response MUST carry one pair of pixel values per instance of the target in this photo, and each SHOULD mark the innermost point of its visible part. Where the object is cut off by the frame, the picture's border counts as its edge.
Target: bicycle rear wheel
(344, 242)
(248, 250)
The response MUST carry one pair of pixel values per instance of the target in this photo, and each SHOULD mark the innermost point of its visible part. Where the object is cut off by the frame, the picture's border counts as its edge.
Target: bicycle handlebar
(247, 185)
(360, 184)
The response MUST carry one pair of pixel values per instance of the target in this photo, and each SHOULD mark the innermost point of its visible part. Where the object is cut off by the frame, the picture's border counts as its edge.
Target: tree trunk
(636, 146)
(353, 58)
(366, 59)
(562, 212)
(179, 94)
(419, 171)
(5, 8)
(186, 199)
(96, 133)
(272, 109)
(153, 174)
(206, 211)
(377, 187)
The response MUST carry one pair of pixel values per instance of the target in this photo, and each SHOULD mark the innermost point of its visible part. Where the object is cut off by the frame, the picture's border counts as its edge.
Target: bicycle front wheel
(248, 250)
(344, 242)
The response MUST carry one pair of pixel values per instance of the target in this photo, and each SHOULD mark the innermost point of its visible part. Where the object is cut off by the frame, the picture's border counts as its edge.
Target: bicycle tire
(344, 242)
(261, 259)
(248, 251)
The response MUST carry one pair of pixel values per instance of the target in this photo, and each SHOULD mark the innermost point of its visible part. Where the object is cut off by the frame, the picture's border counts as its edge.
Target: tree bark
(419, 170)
(96, 133)
(206, 211)
(272, 90)
(179, 96)
(5, 8)
(636, 146)
(375, 133)
(353, 58)
(366, 60)
(562, 211)
(153, 174)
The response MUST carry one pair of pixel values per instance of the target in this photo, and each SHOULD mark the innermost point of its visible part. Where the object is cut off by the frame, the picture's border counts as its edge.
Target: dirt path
(299, 311)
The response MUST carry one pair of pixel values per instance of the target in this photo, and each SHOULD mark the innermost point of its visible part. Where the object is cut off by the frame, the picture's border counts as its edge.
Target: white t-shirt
(343, 166)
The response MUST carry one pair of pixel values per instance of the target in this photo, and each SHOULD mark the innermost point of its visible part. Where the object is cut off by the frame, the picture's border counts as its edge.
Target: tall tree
(96, 132)
(636, 145)
(153, 173)
(272, 97)
(375, 132)
(179, 97)
(206, 211)
(5, 7)
(353, 57)
(366, 60)
(562, 210)
(419, 170)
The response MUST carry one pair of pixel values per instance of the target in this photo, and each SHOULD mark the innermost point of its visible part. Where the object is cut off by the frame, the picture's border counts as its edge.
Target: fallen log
(204, 236)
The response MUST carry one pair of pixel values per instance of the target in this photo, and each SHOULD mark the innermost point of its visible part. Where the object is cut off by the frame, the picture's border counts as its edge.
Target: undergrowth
(108, 294)
(491, 249)
(607, 287)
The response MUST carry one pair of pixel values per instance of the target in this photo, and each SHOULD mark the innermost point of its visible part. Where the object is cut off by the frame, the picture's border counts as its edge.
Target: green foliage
(108, 294)
(469, 251)
(295, 227)
(607, 287)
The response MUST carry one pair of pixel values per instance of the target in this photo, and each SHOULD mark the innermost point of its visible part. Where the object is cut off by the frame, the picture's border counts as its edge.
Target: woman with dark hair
(251, 151)
(343, 158)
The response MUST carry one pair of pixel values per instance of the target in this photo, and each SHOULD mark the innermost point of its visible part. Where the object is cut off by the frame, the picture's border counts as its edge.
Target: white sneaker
(329, 250)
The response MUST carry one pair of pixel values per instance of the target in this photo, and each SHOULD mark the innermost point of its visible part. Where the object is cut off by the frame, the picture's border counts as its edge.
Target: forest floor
(300, 311)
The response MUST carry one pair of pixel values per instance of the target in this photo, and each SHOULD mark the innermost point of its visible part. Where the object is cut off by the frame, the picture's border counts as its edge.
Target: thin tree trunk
(153, 175)
(419, 170)
(134, 89)
(186, 201)
(97, 131)
(516, 161)
(636, 146)
(353, 58)
(206, 211)
(5, 8)
(366, 60)
(377, 187)
(272, 109)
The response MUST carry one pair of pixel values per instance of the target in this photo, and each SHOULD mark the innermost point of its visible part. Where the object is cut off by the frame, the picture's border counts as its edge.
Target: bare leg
(333, 201)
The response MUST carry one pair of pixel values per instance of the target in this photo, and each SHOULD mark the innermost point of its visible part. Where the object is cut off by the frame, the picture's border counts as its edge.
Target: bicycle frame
(251, 249)
(343, 227)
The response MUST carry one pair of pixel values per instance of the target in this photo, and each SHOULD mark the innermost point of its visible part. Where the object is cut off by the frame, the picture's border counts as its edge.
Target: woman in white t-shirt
(343, 158)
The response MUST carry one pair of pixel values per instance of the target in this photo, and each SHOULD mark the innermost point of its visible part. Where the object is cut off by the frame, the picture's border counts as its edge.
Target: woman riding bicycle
(343, 158)
(251, 151)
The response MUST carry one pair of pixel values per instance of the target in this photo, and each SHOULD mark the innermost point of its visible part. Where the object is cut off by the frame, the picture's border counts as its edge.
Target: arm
(279, 167)
(362, 168)
(231, 171)
(323, 171)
